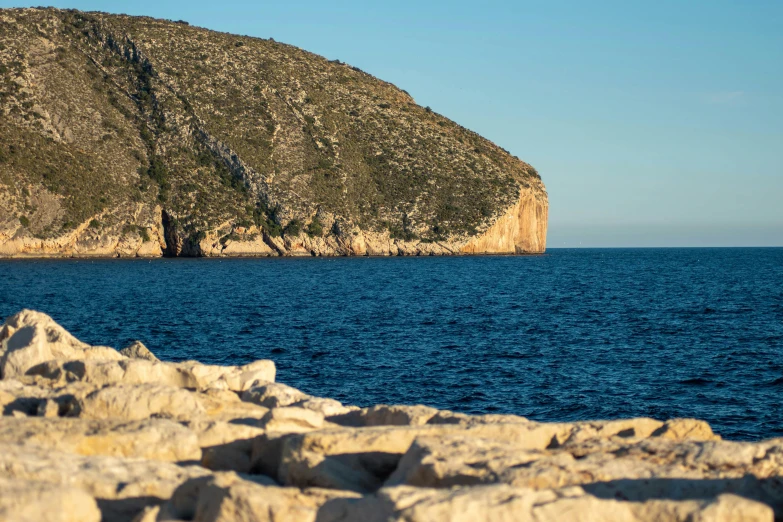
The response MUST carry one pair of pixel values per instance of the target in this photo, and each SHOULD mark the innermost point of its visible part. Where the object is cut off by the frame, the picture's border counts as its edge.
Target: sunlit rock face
(89, 433)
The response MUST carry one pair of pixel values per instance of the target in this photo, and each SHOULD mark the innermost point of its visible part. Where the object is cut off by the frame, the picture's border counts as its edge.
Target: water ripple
(574, 334)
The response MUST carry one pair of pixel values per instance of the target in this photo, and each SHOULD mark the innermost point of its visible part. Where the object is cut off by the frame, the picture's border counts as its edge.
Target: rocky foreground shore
(90, 433)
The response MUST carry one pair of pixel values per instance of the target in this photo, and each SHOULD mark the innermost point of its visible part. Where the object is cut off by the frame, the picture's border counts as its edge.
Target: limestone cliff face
(522, 230)
(127, 136)
(122, 240)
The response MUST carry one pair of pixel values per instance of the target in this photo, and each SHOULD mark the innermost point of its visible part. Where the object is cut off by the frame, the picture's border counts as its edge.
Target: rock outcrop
(131, 137)
(84, 435)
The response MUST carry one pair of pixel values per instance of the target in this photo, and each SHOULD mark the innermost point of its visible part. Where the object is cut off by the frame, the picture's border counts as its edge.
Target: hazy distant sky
(655, 123)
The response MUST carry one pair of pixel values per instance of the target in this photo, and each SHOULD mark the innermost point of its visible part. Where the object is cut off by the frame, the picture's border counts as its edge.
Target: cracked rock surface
(90, 433)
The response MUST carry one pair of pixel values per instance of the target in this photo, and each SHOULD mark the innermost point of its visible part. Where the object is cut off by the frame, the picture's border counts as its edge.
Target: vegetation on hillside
(102, 113)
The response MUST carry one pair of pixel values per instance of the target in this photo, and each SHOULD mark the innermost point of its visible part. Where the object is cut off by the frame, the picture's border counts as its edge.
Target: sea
(573, 334)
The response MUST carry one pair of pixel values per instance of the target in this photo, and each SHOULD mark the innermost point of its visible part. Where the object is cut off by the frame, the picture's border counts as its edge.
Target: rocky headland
(91, 433)
(129, 136)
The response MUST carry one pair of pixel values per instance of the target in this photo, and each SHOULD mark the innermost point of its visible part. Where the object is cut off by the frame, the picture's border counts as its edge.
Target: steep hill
(126, 136)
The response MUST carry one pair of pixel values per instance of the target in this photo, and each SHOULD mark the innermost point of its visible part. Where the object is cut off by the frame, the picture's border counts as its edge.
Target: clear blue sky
(652, 123)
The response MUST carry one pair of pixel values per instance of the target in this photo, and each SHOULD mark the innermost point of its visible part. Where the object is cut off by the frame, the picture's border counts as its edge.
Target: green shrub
(146, 135)
(197, 237)
(233, 236)
(143, 234)
(325, 163)
(266, 219)
(294, 228)
(272, 228)
(24, 221)
(94, 223)
(204, 158)
(315, 228)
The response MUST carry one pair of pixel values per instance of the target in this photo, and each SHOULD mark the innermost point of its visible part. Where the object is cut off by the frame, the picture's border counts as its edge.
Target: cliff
(129, 136)
(88, 433)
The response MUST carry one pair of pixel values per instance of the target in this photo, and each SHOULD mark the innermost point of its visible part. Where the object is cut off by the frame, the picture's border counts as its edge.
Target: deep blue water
(573, 334)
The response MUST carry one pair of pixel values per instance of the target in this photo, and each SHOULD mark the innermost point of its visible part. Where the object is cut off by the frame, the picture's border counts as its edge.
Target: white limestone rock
(154, 439)
(123, 487)
(504, 503)
(30, 338)
(137, 350)
(31, 501)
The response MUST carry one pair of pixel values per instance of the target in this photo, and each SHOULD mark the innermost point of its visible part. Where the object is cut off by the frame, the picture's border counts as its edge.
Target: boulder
(291, 420)
(121, 372)
(503, 503)
(188, 374)
(685, 429)
(20, 397)
(610, 468)
(225, 497)
(360, 459)
(234, 378)
(31, 501)
(273, 395)
(79, 398)
(266, 454)
(675, 429)
(279, 423)
(276, 395)
(140, 402)
(55, 333)
(215, 433)
(383, 415)
(30, 338)
(137, 350)
(225, 446)
(225, 405)
(326, 407)
(40, 397)
(33, 342)
(154, 439)
(123, 487)
(463, 419)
